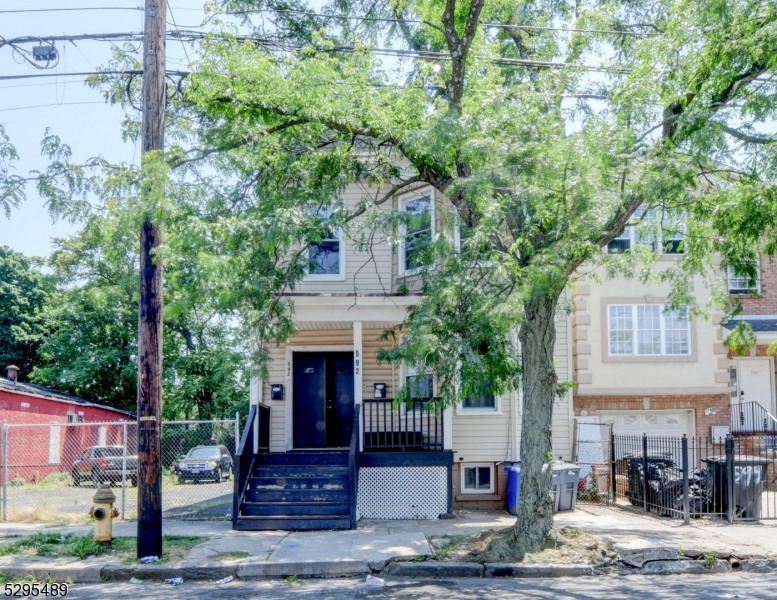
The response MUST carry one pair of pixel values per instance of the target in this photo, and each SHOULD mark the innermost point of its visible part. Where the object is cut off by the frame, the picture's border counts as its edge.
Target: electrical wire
(46, 105)
(41, 10)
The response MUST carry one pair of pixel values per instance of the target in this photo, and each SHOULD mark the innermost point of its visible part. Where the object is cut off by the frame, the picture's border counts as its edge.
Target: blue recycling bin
(513, 488)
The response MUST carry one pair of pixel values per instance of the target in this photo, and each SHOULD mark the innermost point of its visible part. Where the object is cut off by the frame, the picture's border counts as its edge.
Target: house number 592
(357, 362)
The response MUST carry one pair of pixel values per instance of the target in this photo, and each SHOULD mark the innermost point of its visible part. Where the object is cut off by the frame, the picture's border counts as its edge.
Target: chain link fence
(592, 453)
(50, 471)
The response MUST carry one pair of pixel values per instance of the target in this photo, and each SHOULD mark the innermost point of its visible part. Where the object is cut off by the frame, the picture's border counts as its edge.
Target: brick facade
(496, 501)
(767, 303)
(720, 402)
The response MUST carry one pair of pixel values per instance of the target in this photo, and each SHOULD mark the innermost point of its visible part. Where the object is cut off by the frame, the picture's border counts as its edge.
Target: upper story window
(326, 258)
(740, 283)
(417, 234)
(647, 330)
(672, 231)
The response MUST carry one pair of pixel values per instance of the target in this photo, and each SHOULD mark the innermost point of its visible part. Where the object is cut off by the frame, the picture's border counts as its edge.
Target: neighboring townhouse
(319, 467)
(640, 367)
(753, 377)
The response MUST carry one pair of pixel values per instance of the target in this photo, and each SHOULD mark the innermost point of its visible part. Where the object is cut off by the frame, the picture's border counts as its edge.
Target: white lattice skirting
(402, 492)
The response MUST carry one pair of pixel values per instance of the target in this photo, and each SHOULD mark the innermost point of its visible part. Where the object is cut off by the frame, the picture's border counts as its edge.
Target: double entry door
(323, 399)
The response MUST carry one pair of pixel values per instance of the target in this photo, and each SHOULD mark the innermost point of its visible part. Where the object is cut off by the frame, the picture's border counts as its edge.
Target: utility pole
(150, 303)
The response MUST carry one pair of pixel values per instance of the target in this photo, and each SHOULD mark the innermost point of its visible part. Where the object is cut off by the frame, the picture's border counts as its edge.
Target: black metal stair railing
(416, 427)
(258, 421)
(751, 417)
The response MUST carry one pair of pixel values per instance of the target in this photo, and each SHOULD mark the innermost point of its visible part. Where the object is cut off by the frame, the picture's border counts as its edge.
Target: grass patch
(230, 555)
(292, 580)
(175, 547)
(710, 560)
(26, 579)
(40, 513)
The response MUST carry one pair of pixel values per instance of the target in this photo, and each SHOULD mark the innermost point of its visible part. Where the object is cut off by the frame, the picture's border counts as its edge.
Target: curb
(348, 568)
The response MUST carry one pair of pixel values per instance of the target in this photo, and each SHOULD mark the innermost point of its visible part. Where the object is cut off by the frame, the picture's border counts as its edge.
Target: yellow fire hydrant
(103, 513)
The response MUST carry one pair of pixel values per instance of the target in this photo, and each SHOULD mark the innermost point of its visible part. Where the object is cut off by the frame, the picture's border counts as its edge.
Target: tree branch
(746, 137)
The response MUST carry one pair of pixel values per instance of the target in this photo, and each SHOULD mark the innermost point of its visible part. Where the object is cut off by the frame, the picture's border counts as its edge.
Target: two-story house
(667, 373)
(330, 444)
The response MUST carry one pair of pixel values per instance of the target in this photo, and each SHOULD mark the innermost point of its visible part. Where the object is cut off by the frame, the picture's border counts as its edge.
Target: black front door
(323, 399)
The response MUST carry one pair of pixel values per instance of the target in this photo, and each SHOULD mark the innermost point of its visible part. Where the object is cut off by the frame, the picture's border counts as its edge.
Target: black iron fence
(413, 427)
(732, 477)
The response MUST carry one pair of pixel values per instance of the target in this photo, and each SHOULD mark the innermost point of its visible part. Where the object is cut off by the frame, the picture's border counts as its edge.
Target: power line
(40, 10)
(45, 105)
(421, 22)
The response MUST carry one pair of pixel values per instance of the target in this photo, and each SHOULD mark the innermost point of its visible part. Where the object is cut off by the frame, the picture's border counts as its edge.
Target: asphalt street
(742, 586)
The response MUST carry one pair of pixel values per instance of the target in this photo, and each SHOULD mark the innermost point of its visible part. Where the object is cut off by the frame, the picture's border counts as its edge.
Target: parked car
(205, 462)
(104, 463)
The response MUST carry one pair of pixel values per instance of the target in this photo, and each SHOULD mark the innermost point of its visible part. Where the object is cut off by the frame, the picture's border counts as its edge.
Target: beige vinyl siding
(483, 438)
(373, 373)
(562, 422)
(366, 271)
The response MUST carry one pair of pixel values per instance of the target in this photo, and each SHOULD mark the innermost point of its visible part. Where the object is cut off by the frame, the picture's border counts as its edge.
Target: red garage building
(48, 429)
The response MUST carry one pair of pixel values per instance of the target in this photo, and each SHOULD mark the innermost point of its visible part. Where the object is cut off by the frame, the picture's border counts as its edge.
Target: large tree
(546, 125)
(24, 293)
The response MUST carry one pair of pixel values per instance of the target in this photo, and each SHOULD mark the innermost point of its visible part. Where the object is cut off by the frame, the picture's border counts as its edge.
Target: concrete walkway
(373, 544)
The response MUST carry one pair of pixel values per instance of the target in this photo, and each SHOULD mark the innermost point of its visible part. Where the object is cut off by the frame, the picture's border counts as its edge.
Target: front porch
(319, 451)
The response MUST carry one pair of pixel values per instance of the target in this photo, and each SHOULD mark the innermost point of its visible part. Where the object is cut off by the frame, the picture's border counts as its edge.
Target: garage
(663, 423)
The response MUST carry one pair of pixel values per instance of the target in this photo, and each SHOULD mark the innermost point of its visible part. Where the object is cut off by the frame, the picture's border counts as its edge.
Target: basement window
(477, 479)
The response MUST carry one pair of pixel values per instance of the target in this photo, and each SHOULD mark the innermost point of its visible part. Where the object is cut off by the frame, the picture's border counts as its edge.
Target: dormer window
(417, 233)
(326, 258)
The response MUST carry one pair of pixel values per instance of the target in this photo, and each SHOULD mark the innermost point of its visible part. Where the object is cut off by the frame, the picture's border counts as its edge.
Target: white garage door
(665, 423)
(663, 427)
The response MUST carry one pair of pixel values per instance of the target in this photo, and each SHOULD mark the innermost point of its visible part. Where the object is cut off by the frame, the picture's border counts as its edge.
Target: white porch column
(254, 398)
(447, 430)
(358, 368)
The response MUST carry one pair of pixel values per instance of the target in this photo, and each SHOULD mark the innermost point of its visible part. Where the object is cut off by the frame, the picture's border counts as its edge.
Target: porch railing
(751, 417)
(353, 466)
(415, 427)
(258, 421)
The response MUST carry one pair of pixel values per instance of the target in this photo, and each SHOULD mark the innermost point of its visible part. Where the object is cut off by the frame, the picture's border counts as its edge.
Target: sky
(77, 114)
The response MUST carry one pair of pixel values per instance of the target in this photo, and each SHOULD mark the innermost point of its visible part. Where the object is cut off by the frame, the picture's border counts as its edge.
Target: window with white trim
(671, 230)
(417, 233)
(421, 386)
(648, 330)
(326, 258)
(477, 479)
(741, 283)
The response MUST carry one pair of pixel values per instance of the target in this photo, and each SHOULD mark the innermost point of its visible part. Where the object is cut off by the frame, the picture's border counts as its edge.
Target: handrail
(418, 429)
(751, 417)
(353, 464)
(243, 463)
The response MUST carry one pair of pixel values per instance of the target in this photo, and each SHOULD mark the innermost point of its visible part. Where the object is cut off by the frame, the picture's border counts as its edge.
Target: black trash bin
(749, 475)
(655, 465)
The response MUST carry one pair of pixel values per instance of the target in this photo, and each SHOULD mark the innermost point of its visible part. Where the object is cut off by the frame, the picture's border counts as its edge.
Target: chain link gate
(592, 448)
(50, 471)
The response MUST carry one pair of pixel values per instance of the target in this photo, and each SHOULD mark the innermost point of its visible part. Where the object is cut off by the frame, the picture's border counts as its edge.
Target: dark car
(205, 462)
(104, 463)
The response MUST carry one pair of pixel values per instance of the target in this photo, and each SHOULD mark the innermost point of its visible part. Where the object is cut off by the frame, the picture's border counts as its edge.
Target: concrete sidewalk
(372, 546)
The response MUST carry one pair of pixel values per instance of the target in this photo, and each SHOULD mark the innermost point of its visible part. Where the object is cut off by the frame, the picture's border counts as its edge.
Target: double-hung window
(670, 233)
(421, 385)
(417, 233)
(647, 330)
(326, 258)
(741, 283)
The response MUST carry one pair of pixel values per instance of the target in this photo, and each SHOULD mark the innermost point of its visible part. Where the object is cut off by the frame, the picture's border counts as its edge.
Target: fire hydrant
(103, 512)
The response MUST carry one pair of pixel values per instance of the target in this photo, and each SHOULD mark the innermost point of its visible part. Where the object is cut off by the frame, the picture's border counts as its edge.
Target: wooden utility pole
(150, 303)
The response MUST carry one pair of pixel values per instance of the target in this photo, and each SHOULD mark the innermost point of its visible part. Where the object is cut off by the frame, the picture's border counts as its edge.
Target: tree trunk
(535, 509)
